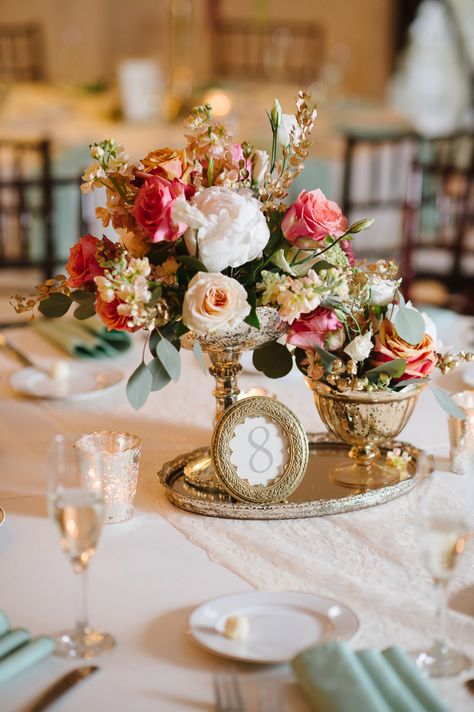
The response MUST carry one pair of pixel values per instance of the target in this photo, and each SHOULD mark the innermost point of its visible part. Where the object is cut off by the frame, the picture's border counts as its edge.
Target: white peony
(287, 123)
(360, 347)
(226, 228)
(261, 167)
(382, 291)
(214, 301)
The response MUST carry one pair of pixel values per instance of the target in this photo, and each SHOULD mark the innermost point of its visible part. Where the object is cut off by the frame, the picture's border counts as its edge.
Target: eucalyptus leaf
(409, 382)
(252, 318)
(199, 356)
(273, 359)
(85, 310)
(325, 357)
(155, 295)
(191, 262)
(394, 369)
(82, 295)
(139, 386)
(169, 357)
(448, 403)
(153, 342)
(401, 298)
(160, 376)
(321, 264)
(55, 305)
(409, 324)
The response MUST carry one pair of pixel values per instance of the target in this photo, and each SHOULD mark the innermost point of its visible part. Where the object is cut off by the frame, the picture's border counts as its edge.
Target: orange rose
(420, 358)
(108, 312)
(165, 162)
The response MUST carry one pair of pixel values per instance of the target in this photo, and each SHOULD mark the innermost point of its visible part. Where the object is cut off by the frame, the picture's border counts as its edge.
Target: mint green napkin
(337, 680)
(13, 639)
(25, 656)
(82, 339)
(4, 623)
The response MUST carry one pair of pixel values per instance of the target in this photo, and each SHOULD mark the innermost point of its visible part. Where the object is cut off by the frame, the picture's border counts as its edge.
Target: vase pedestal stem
(225, 367)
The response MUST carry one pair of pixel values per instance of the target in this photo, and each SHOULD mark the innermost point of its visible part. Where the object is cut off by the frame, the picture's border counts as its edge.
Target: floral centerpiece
(207, 240)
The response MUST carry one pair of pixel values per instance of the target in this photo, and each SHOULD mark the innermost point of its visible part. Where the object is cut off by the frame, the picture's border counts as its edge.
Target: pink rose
(420, 358)
(107, 311)
(152, 209)
(320, 327)
(313, 216)
(82, 265)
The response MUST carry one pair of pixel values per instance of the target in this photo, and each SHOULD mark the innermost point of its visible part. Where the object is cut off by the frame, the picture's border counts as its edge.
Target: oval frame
(280, 488)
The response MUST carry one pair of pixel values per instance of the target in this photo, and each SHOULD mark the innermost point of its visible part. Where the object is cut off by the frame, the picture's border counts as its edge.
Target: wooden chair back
(21, 52)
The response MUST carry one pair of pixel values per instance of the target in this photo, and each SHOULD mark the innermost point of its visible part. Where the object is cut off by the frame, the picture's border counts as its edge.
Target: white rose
(360, 347)
(214, 301)
(261, 165)
(229, 227)
(382, 291)
(288, 122)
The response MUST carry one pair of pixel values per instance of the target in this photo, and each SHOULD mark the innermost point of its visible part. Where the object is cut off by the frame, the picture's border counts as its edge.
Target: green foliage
(155, 295)
(394, 369)
(139, 386)
(55, 305)
(448, 404)
(169, 357)
(85, 310)
(192, 263)
(325, 357)
(274, 360)
(252, 318)
(409, 324)
(160, 376)
(199, 356)
(360, 225)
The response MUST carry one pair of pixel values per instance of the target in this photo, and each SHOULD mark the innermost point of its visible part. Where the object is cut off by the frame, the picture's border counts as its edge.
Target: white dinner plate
(82, 382)
(281, 624)
(468, 375)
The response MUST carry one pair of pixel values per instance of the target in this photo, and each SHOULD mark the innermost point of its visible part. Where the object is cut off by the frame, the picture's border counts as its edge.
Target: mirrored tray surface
(316, 496)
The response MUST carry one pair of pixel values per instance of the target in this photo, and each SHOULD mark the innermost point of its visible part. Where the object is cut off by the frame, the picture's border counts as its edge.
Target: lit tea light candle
(461, 435)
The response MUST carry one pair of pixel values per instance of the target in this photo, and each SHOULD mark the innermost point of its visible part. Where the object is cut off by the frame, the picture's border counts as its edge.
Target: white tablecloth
(147, 576)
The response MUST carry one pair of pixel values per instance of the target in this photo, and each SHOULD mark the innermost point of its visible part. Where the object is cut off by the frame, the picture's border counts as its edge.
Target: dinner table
(150, 572)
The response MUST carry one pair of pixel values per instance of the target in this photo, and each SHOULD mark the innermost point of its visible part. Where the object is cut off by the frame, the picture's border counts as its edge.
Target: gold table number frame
(293, 442)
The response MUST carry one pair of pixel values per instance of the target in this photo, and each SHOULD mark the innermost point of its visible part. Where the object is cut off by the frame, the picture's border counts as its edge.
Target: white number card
(259, 450)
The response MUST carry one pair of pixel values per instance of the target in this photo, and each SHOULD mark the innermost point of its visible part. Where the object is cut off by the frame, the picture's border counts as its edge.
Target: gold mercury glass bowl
(364, 421)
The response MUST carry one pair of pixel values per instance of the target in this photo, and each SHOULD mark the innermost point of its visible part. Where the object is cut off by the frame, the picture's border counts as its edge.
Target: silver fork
(270, 697)
(227, 693)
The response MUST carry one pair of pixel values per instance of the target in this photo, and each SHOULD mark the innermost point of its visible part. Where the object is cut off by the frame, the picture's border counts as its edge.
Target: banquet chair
(27, 201)
(21, 53)
(438, 231)
(266, 49)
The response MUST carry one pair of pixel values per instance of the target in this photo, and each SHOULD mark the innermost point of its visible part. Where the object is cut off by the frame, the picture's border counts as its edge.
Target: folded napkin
(25, 656)
(84, 339)
(337, 679)
(13, 639)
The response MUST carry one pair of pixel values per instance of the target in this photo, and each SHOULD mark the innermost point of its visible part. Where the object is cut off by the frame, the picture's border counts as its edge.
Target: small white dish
(281, 624)
(468, 375)
(82, 382)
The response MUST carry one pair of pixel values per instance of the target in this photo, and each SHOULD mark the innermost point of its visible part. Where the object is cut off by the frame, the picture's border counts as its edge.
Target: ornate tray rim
(282, 510)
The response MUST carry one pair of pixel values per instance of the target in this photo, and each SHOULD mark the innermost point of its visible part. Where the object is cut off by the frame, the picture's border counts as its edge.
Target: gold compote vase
(224, 349)
(365, 420)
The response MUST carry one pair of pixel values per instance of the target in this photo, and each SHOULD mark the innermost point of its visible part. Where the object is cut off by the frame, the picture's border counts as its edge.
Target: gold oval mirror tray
(317, 495)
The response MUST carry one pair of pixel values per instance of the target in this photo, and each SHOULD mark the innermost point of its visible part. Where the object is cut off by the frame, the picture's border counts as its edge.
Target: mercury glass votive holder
(461, 435)
(119, 454)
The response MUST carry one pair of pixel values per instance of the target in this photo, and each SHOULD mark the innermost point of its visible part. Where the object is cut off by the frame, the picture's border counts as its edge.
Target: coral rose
(312, 216)
(320, 327)
(421, 358)
(108, 312)
(82, 265)
(214, 302)
(165, 162)
(152, 209)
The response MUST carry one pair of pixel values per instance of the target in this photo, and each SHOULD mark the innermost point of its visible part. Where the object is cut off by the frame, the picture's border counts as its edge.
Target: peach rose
(320, 327)
(82, 265)
(312, 216)
(421, 358)
(214, 302)
(108, 312)
(165, 162)
(152, 209)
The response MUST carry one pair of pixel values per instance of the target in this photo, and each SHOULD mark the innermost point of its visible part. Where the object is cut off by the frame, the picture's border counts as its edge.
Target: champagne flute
(443, 531)
(76, 505)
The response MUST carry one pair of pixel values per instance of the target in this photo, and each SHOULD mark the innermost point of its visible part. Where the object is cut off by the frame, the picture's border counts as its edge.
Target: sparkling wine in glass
(76, 507)
(443, 532)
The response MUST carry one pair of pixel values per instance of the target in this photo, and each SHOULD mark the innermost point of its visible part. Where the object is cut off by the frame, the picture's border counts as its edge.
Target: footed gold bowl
(365, 421)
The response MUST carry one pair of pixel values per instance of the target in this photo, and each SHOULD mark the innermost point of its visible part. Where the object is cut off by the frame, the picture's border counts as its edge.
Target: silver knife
(61, 686)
